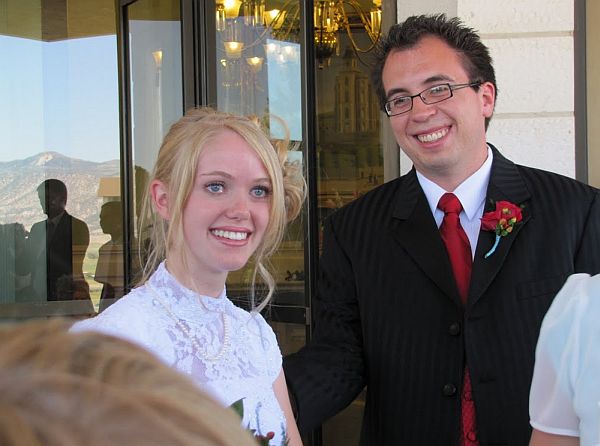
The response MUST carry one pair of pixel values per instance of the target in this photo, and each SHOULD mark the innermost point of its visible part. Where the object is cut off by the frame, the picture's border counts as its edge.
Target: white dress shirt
(471, 194)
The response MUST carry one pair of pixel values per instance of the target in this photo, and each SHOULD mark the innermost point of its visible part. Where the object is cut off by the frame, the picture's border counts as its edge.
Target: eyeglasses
(431, 95)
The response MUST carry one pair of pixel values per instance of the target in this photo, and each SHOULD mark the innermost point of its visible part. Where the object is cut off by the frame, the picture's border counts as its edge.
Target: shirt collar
(470, 192)
(55, 220)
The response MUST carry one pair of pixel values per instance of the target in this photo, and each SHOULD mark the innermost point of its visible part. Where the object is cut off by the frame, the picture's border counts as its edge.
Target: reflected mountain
(19, 179)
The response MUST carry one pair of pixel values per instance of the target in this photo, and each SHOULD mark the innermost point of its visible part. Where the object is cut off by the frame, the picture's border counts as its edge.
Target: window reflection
(349, 147)
(259, 73)
(350, 163)
(110, 268)
(60, 132)
(156, 92)
(54, 250)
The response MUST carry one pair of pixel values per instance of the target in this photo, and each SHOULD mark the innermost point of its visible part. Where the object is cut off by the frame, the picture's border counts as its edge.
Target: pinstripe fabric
(388, 315)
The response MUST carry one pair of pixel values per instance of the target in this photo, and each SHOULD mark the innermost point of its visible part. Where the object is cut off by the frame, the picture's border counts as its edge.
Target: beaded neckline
(185, 329)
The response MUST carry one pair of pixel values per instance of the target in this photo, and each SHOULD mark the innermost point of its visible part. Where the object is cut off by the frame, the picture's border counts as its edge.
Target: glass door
(258, 71)
(303, 68)
(59, 157)
(152, 100)
(355, 151)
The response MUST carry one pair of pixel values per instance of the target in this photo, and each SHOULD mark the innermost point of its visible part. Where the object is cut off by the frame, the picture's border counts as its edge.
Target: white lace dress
(245, 368)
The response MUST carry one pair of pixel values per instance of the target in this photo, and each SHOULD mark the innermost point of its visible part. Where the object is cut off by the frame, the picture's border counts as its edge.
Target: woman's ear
(160, 198)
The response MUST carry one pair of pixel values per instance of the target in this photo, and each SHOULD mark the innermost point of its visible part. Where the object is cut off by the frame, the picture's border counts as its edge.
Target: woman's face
(227, 212)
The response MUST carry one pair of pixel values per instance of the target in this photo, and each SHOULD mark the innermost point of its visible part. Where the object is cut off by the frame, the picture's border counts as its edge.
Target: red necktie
(459, 252)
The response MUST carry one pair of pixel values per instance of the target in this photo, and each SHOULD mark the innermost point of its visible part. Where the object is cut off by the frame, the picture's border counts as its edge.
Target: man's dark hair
(54, 187)
(475, 55)
(114, 207)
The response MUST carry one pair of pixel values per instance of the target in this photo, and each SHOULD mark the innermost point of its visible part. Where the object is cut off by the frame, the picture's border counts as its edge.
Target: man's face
(446, 140)
(52, 202)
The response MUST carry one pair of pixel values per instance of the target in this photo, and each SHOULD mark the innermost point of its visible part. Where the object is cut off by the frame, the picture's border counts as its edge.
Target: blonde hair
(176, 167)
(68, 389)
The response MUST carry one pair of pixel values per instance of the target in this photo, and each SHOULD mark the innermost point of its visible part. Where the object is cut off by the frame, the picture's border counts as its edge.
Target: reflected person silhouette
(12, 241)
(109, 269)
(56, 247)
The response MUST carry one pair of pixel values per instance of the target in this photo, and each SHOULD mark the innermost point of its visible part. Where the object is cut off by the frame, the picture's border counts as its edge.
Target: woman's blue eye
(260, 191)
(214, 187)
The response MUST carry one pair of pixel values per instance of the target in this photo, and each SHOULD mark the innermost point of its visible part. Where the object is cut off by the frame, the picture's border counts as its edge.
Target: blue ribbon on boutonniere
(501, 221)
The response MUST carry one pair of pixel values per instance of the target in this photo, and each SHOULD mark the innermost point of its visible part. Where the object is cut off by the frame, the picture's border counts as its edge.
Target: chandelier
(281, 22)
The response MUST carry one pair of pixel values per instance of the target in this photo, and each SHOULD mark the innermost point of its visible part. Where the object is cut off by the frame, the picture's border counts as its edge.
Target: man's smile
(433, 136)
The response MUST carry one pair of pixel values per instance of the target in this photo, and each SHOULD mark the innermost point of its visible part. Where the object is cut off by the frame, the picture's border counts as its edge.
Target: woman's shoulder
(576, 308)
(126, 318)
(265, 329)
(256, 326)
(250, 319)
(267, 344)
(580, 291)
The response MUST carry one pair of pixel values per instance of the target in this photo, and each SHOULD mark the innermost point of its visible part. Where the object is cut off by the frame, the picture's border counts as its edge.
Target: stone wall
(531, 43)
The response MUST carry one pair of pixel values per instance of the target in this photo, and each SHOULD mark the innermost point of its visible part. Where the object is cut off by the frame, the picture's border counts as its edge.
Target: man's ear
(160, 198)
(488, 98)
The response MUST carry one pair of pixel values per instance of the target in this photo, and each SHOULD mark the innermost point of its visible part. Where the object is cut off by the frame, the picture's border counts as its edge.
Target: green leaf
(238, 407)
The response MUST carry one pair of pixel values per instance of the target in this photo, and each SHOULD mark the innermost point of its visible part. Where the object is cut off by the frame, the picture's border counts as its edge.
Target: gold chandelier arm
(292, 22)
(356, 47)
(289, 5)
(282, 35)
(367, 23)
(331, 17)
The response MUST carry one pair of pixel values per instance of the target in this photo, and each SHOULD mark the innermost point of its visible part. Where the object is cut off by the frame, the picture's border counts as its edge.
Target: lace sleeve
(121, 327)
(270, 347)
(131, 318)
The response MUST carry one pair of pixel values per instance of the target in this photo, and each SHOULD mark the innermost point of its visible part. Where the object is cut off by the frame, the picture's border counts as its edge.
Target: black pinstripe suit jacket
(388, 315)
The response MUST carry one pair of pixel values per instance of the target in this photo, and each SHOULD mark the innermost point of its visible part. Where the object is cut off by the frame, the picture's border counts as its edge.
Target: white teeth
(230, 234)
(430, 137)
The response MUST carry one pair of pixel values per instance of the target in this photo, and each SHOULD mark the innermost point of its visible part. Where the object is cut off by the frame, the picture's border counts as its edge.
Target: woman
(564, 402)
(220, 193)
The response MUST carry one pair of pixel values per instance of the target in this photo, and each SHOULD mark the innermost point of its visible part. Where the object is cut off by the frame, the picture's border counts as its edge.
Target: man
(56, 248)
(109, 269)
(446, 360)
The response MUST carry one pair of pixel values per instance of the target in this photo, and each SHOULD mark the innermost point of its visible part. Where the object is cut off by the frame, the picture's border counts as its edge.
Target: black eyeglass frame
(451, 88)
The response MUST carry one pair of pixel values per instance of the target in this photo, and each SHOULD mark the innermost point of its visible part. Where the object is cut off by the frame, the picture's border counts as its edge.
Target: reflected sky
(59, 96)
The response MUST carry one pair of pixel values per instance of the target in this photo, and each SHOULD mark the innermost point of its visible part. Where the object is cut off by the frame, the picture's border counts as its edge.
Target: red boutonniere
(501, 221)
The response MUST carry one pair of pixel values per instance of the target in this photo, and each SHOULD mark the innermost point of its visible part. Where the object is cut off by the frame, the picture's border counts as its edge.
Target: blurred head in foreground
(66, 389)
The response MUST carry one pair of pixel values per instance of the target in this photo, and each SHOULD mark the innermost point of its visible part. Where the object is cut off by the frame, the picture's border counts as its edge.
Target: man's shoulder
(78, 226)
(541, 180)
(536, 179)
(38, 225)
(75, 220)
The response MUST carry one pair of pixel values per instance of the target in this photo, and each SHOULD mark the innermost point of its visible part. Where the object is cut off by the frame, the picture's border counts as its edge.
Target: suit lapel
(415, 229)
(505, 184)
